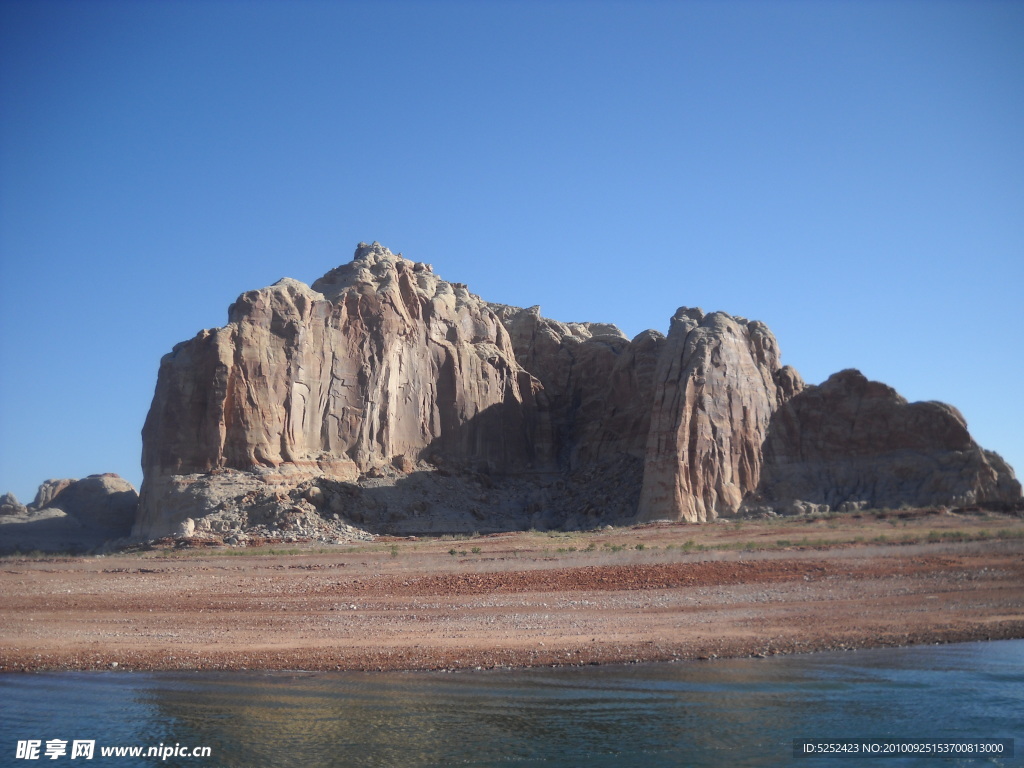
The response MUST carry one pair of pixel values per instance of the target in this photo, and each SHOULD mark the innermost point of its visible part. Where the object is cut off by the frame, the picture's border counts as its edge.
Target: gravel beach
(520, 599)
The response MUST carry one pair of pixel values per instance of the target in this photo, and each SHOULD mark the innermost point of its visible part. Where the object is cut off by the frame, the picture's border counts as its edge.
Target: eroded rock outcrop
(379, 365)
(9, 505)
(858, 443)
(107, 502)
(719, 380)
(49, 490)
(71, 515)
(384, 398)
(597, 385)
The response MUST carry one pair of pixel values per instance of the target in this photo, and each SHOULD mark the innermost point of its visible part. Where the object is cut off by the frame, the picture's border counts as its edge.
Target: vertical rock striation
(718, 382)
(379, 363)
(597, 384)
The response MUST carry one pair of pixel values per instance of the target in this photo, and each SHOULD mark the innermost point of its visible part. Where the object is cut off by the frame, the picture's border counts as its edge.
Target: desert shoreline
(651, 593)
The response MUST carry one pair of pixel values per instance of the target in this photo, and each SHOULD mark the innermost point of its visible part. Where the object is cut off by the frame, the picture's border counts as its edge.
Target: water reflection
(743, 712)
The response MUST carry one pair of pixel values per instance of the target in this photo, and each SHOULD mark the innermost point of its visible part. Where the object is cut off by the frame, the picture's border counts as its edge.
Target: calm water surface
(724, 713)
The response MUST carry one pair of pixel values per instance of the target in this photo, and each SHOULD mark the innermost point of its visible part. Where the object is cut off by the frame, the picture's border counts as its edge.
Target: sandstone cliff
(719, 381)
(379, 365)
(385, 398)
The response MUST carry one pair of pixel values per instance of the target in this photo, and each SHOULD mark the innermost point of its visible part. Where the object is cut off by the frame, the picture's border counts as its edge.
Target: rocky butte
(382, 398)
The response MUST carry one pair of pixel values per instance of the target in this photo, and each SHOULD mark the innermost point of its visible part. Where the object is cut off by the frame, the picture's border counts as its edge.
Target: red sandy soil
(761, 588)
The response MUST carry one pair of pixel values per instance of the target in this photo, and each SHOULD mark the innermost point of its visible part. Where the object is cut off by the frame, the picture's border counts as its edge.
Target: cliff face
(385, 397)
(718, 382)
(597, 385)
(374, 363)
(378, 363)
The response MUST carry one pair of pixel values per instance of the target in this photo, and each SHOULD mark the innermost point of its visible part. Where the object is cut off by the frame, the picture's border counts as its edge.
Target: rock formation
(857, 442)
(107, 502)
(379, 365)
(385, 398)
(9, 505)
(70, 515)
(719, 381)
(49, 490)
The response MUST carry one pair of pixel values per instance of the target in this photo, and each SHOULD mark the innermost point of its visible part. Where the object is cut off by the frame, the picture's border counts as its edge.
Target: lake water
(723, 713)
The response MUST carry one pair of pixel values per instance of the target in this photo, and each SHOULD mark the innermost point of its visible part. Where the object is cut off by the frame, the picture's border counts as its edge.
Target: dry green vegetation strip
(879, 527)
(836, 530)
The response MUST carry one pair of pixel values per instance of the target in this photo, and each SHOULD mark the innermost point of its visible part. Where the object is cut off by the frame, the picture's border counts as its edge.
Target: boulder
(106, 502)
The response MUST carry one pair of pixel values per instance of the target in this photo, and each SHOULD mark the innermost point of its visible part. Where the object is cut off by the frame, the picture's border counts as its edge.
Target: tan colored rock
(76, 516)
(107, 502)
(718, 383)
(594, 410)
(852, 443)
(380, 359)
(385, 399)
(48, 491)
(597, 386)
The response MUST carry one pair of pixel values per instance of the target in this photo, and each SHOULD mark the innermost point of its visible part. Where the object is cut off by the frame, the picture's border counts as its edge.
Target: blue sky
(851, 173)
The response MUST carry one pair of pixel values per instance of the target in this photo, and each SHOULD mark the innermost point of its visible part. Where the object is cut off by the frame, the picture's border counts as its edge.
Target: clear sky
(851, 173)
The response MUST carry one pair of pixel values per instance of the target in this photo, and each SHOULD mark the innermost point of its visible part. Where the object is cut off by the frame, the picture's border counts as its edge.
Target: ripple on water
(729, 712)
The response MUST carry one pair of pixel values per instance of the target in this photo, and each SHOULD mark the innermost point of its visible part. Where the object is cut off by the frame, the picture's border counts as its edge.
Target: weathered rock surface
(9, 505)
(49, 490)
(71, 515)
(719, 380)
(380, 363)
(597, 386)
(858, 443)
(107, 502)
(46, 530)
(385, 398)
